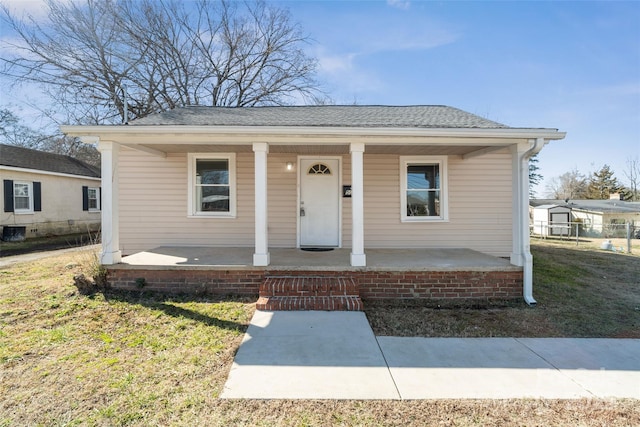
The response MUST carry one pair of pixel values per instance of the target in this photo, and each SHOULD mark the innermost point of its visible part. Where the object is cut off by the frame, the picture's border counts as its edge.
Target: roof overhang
(166, 139)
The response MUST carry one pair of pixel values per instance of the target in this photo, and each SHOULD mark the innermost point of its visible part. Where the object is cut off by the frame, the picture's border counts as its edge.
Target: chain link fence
(622, 237)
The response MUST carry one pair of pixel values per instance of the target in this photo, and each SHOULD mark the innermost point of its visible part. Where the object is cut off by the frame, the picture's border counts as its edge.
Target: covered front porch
(266, 178)
(451, 273)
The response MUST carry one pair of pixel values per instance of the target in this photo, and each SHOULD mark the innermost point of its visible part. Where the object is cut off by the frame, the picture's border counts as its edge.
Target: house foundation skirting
(372, 285)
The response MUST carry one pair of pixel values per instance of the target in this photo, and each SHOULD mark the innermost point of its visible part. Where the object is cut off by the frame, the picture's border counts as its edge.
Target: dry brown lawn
(138, 360)
(581, 291)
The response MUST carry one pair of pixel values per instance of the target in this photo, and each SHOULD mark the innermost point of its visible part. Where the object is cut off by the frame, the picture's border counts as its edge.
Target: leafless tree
(13, 131)
(160, 54)
(632, 173)
(569, 185)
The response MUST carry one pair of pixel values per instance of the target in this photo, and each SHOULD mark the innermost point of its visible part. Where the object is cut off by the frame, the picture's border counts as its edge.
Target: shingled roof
(19, 157)
(416, 116)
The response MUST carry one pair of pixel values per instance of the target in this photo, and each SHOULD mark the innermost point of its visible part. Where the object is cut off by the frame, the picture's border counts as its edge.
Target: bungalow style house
(47, 194)
(318, 201)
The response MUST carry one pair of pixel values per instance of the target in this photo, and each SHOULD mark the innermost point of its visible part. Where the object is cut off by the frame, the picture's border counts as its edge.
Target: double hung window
(93, 196)
(91, 199)
(212, 185)
(424, 188)
(22, 197)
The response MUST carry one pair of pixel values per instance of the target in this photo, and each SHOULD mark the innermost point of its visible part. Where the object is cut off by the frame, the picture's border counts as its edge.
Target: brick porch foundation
(371, 285)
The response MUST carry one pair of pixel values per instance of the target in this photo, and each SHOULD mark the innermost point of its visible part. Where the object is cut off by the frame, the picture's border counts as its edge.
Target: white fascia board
(125, 133)
(41, 172)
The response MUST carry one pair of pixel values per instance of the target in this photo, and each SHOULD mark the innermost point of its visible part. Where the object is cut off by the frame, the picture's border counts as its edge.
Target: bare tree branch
(632, 173)
(570, 185)
(166, 53)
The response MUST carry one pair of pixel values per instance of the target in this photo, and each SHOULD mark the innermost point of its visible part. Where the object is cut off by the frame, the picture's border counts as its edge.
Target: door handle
(302, 212)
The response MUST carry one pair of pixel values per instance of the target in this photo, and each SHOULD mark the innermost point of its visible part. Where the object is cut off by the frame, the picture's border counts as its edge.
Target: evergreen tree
(602, 184)
(534, 177)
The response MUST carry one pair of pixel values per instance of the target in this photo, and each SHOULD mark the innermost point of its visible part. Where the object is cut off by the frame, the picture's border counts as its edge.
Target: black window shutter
(8, 195)
(37, 197)
(100, 196)
(85, 198)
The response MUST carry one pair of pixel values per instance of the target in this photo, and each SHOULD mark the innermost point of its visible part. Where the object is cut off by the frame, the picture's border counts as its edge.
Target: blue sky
(574, 66)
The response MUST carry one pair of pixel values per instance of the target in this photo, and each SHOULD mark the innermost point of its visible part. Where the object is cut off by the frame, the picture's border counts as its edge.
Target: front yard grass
(136, 359)
(580, 292)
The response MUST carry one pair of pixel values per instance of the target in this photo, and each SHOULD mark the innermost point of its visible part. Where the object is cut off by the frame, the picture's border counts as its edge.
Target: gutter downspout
(527, 258)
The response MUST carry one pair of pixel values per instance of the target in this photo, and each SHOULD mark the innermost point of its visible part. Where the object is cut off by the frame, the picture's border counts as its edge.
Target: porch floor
(291, 259)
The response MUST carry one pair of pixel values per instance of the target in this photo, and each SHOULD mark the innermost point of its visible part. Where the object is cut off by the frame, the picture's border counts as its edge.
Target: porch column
(521, 249)
(111, 253)
(261, 255)
(358, 257)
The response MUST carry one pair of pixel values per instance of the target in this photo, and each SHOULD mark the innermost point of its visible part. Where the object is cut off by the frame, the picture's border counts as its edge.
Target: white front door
(319, 202)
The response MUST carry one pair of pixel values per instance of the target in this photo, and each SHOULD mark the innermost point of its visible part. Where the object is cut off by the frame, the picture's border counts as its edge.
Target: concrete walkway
(334, 355)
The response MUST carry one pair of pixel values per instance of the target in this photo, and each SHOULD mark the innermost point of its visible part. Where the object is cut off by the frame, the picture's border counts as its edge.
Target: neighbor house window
(94, 201)
(22, 197)
(90, 199)
(212, 185)
(424, 188)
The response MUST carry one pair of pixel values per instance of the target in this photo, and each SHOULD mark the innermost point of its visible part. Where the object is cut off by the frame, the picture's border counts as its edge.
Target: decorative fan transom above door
(319, 169)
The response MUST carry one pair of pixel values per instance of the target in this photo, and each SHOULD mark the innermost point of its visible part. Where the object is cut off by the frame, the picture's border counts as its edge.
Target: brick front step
(335, 303)
(293, 286)
(309, 293)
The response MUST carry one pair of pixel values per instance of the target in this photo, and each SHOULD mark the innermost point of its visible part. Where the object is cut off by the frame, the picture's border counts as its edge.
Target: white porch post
(111, 253)
(358, 257)
(521, 249)
(261, 255)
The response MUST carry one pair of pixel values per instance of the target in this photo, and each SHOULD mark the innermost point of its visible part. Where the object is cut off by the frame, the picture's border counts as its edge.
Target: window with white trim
(212, 185)
(22, 197)
(93, 197)
(423, 194)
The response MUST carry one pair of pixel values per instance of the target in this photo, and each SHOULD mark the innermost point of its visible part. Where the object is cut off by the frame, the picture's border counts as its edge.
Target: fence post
(628, 227)
(577, 237)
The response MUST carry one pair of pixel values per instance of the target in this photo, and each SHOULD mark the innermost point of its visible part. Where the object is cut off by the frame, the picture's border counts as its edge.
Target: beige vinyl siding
(154, 211)
(153, 205)
(282, 200)
(479, 206)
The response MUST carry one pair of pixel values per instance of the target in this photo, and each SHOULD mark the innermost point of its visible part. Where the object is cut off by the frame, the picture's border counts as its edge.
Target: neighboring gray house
(47, 194)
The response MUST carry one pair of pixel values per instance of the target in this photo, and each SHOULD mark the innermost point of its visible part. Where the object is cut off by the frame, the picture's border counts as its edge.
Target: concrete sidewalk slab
(309, 355)
(473, 368)
(604, 367)
(334, 355)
